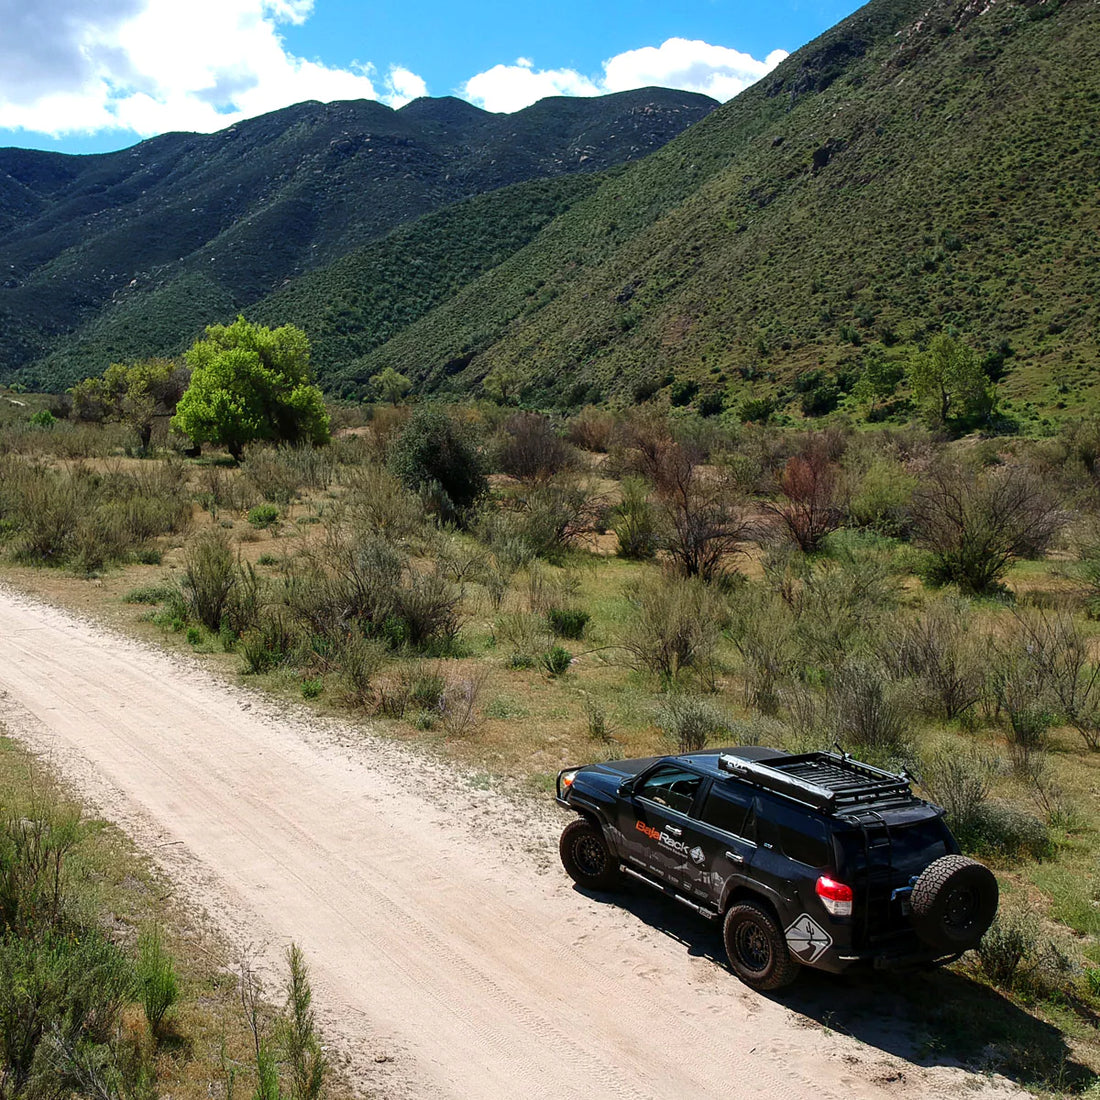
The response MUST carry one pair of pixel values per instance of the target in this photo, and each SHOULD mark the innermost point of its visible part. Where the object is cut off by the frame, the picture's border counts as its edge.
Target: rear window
(729, 812)
(911, 846)
(798, 834)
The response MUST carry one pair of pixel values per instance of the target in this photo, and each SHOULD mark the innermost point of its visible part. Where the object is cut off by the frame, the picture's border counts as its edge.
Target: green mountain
(926, 165)
(131, 253)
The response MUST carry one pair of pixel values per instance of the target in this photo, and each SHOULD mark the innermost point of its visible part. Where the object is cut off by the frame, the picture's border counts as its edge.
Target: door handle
(733, 857)
(673, 831)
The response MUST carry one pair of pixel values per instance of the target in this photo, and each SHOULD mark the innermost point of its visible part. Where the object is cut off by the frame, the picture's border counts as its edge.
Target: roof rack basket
(824, 780)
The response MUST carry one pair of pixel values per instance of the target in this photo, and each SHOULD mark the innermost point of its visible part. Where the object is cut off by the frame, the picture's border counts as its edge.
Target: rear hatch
(881, 853)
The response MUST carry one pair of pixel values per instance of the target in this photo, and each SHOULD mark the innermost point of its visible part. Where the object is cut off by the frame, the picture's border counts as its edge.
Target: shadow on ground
(936, 1017)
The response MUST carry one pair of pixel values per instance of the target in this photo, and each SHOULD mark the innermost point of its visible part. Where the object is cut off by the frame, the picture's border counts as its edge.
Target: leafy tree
(390, 385)
(948, 380)
(134, 394)
(503, 384)
(878, 382)
(437, 455)
(248, 383)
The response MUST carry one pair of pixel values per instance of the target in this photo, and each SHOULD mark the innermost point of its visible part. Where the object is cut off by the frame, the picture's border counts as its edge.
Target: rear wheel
(757, 948)
(953, 903)
(586, 856)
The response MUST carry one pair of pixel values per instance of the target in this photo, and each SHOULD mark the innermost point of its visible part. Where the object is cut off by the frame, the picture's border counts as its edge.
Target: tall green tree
(948, 382)
(134, 394)
(390, 385)
(249, 383)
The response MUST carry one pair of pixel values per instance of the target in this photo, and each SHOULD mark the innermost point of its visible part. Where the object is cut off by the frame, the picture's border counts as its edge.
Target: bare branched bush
(1053, 664)
(762, 628)
(975, 524)
(458, 705)
(704, 518)
(811, 503)
(377, 503)
(591, 429)
(865, 713)
(936, 648)
(554, 514)
(530, 449)
(675, 628)
(961, 782)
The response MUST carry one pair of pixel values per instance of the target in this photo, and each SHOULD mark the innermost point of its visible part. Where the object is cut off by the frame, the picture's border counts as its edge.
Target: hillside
(919, 167)
(184, 228)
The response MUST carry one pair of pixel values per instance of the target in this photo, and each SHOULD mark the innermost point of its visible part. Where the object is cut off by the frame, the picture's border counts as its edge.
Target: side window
(730, 811)
(672, 787)
(798, 834)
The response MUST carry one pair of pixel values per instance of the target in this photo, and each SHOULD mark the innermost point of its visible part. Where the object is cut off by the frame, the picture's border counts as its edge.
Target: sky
(83, 76)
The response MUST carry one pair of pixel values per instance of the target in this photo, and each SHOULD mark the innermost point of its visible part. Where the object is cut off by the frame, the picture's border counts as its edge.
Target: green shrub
(1012, 941)
(567, 622)
(269, 644)
(689, 721)
(157, 981)
(208, 579)
(675, 626)
(1009, 832)
(635, 521)
(150, 594)
(312, 688)
(194, 635)
(556, 660)
(43, 419)
(263, 515)
(436, 453)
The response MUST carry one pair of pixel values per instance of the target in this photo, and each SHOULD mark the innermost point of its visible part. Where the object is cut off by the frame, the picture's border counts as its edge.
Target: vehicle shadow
(931, 1017)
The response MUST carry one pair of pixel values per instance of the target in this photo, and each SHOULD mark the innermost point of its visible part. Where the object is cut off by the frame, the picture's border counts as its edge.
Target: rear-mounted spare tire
(953, 903)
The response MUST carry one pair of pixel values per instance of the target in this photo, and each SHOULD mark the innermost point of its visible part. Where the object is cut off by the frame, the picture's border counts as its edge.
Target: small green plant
(599, 728)
(267, 559)
(194, 635)
(150, 594)
(312, 688)
(43, 419)
(157, 980)
(556, 660)
(263, 515)
(567, 622)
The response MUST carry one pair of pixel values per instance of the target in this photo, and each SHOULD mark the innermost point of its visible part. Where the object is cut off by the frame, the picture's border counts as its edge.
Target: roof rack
(824, 780)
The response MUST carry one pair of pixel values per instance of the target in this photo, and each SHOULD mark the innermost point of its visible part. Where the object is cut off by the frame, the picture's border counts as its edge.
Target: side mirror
(626, 787)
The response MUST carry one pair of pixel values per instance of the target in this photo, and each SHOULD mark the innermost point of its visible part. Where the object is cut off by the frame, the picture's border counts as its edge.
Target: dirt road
(451, 956)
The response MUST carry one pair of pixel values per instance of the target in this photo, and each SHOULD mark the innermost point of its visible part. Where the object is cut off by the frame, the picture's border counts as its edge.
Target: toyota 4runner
(815, 859)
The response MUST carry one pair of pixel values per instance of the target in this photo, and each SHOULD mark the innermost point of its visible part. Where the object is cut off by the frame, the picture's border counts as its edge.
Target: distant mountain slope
(223, 219)
(925, 165)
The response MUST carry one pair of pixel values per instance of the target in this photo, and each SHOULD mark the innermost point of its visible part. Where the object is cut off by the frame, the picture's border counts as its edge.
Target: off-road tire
(953, 903)
(757, 948)
(587, 858)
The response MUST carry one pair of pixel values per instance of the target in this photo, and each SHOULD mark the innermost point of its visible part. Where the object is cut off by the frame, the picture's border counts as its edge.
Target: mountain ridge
(240, 211)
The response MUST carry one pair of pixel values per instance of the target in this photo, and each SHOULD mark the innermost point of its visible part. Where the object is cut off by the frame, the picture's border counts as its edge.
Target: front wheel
(586, 856)
(757, 948)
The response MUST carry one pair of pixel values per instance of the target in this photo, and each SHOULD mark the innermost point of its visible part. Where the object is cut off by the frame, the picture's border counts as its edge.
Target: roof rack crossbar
(823, 780)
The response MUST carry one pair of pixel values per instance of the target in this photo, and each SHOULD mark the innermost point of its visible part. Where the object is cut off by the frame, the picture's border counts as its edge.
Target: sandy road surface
(451, 957)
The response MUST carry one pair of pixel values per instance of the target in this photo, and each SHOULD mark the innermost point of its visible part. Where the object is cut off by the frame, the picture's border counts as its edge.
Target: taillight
(835, 896)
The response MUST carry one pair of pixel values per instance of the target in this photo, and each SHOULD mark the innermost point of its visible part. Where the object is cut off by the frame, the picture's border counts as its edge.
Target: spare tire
(953, 903)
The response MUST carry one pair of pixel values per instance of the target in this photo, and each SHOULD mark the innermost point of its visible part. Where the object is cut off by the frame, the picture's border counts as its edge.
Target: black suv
(816, 859)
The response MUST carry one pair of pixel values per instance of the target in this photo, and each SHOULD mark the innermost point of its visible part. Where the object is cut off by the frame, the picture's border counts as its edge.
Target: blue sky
(95, 75)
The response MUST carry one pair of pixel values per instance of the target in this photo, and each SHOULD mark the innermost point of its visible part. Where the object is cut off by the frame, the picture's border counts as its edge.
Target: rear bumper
(839, 962)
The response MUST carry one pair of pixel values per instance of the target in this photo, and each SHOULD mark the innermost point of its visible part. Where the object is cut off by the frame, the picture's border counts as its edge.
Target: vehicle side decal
(807, 939)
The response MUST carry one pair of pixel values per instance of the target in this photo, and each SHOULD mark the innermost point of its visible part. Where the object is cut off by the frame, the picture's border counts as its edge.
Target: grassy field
(517, 663)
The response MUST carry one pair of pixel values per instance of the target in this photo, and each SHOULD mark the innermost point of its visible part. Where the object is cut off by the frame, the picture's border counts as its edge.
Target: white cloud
(148, 66)
(692, 66)
(510, 87)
